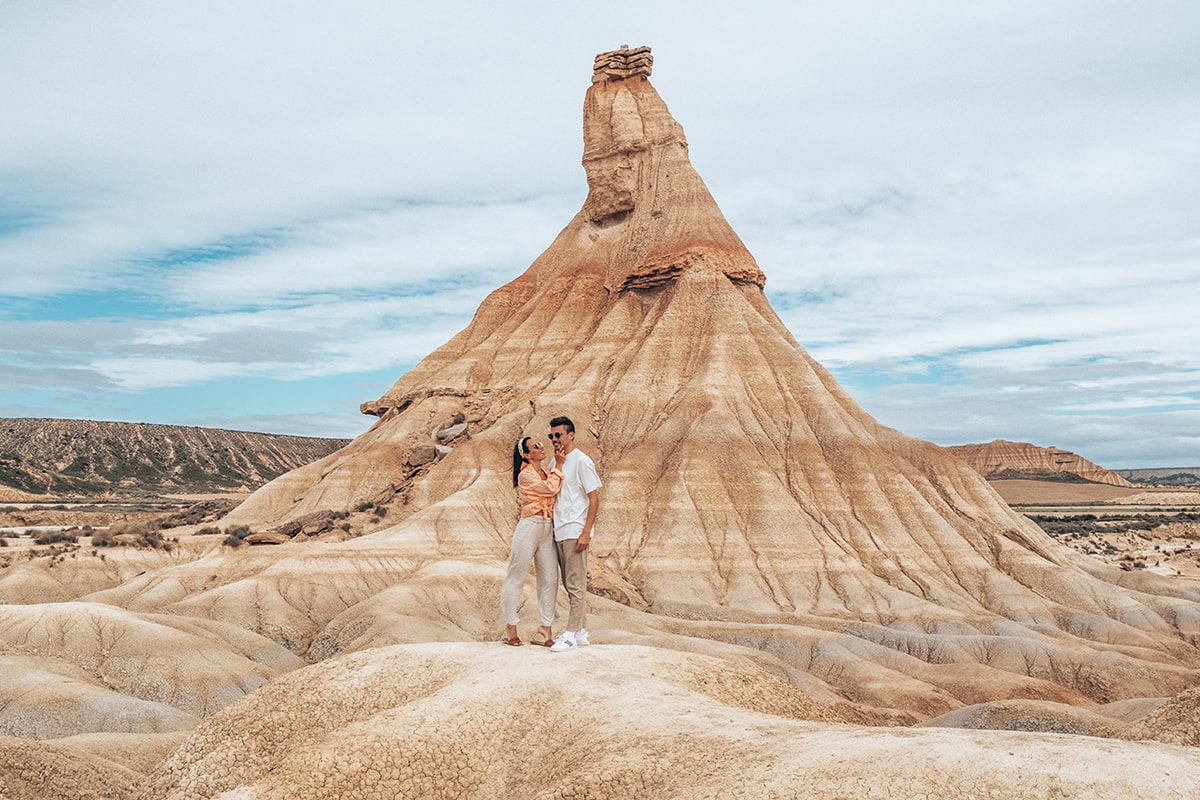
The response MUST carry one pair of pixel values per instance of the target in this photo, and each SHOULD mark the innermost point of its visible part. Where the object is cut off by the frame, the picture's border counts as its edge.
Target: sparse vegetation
(133, 534)
(54, 537)
(207, 511)
(1076, 525)
(1051, 477)
(235, 534)
(1174, 479)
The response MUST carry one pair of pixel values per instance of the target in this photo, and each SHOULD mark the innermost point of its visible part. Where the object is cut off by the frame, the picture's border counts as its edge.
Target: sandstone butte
(779, 580)
(1000, 458)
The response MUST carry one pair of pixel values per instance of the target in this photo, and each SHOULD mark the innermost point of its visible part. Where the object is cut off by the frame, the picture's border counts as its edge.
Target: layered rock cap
(622, 64)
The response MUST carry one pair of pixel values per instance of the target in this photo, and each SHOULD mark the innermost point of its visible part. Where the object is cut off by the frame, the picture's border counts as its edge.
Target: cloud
(981, 218)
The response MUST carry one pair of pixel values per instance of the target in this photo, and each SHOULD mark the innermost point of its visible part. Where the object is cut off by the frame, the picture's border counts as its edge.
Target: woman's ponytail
(519, 452)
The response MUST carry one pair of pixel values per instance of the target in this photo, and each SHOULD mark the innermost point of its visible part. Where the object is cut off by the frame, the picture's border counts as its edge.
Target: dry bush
(133, 534)
(104, 538)
(54, 537)
(235, 534)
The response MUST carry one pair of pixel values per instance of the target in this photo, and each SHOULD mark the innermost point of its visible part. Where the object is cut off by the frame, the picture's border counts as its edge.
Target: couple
(558, 511)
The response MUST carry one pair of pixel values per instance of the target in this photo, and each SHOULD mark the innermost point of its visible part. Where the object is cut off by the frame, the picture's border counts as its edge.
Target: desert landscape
(788, 598)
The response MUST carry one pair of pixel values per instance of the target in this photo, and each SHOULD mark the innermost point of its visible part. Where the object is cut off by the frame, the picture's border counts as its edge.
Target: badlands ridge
(1002, 459)
(779, 582)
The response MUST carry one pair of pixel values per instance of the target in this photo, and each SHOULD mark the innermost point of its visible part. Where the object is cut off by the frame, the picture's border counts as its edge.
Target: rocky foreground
(410, 696)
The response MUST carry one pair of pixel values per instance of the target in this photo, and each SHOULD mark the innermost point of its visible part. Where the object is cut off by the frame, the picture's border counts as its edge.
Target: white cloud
(981, 217)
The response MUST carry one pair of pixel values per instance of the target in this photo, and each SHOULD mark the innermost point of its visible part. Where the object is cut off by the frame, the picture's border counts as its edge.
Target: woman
(533, 541)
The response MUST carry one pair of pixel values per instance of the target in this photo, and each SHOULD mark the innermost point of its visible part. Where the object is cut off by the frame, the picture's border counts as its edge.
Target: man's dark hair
(563, 422)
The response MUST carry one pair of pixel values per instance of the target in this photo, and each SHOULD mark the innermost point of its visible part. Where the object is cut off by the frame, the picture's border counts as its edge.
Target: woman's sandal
(537, 638)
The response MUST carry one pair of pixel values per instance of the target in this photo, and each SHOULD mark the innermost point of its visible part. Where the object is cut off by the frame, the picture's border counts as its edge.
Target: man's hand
(593, 506)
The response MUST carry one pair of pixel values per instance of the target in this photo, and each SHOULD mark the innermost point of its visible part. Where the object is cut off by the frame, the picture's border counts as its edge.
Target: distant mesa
(1163, 476)
(1003, 459)
(40, 457)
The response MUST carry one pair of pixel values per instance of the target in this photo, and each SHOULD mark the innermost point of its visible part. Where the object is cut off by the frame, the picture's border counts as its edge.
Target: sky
(983, 218)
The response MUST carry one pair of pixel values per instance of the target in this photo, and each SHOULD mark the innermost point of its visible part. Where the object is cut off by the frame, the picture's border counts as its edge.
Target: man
(574, 518)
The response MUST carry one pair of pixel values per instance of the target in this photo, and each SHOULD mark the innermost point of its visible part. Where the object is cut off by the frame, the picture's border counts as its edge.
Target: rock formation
(84, 767)
(742, 483)
(73, 456)
(621, 64)
(1003, 459)
(438, 721)
(194, 665)
(1176, 722)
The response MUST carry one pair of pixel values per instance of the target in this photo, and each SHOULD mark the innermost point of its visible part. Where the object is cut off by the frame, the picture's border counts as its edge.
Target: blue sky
(982, 218)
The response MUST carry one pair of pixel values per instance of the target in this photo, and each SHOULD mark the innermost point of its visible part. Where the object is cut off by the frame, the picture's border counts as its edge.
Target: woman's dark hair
(519, 452)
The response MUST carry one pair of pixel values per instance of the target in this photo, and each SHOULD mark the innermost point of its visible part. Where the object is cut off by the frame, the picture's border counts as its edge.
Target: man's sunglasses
(556, 435)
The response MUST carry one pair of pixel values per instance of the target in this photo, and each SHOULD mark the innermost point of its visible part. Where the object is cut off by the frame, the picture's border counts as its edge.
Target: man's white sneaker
(564, 641)
(581, 638)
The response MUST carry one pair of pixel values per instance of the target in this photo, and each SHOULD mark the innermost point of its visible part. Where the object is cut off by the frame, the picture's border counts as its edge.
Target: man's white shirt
(570, 510)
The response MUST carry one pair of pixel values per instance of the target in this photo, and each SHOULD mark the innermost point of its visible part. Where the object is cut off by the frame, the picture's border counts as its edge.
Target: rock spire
(741, 482)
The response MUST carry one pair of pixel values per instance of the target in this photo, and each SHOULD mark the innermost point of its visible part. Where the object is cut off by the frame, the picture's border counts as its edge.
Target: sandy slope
(486, 721)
